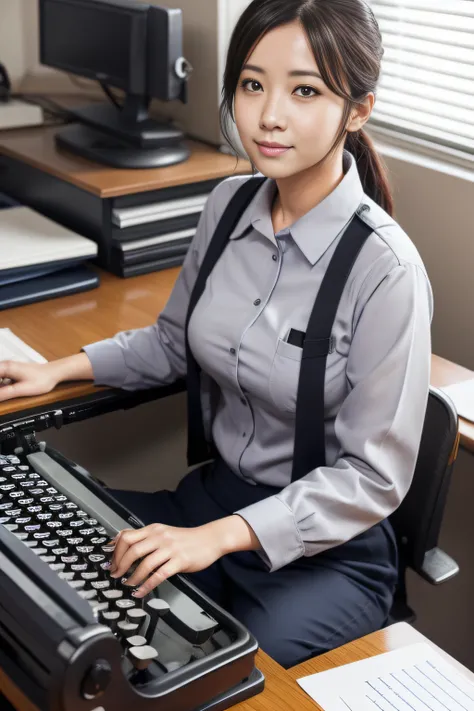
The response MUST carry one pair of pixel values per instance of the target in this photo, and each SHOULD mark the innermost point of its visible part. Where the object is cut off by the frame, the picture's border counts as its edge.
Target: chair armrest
(438, 567)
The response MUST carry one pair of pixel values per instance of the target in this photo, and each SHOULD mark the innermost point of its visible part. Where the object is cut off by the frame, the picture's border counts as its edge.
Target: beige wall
(13, 38)
(437, 211)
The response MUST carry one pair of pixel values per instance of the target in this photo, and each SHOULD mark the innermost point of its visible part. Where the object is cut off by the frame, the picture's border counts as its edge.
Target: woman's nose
(272, 116)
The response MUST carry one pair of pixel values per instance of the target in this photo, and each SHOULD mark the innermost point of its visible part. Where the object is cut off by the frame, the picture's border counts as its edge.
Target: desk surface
(36, 146)
(60, 327)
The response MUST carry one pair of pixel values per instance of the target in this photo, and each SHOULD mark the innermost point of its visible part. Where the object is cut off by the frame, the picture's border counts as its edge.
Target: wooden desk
(36, 148)
(393, 637)
(60, 327)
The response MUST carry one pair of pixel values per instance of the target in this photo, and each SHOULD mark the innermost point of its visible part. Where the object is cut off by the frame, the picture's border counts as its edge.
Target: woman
(307, 563)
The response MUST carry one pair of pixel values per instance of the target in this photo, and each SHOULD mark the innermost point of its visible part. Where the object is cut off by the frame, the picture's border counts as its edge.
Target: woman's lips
(272, 152)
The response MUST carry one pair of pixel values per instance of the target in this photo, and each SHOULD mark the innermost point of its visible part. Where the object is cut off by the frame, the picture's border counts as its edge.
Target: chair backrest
(417, 521)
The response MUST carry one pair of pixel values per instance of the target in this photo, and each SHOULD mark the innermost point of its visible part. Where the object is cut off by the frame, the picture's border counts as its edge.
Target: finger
(172, 567)
(9, 369)
(148, 566)
(135, 552)
(8, 392)
(126, 538)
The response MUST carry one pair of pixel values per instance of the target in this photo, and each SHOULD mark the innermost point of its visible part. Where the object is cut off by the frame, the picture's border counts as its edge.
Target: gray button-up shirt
(377, 376)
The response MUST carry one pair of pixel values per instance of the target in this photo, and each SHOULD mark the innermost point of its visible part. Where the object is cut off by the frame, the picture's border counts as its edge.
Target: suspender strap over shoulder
(309, 448)
(198, 448)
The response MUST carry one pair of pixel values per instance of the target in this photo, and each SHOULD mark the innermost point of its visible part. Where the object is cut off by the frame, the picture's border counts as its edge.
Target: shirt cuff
(275, 527)
(108, 363)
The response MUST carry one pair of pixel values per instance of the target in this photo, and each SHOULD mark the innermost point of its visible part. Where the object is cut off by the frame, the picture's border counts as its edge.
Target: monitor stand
(123, 137)
(105, 148)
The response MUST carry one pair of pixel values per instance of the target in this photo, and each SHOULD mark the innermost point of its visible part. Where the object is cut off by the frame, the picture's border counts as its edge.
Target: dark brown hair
(347, 46)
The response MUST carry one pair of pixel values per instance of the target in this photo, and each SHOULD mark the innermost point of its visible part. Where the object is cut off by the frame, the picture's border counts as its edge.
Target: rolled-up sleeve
(378, 428)
(156, 355)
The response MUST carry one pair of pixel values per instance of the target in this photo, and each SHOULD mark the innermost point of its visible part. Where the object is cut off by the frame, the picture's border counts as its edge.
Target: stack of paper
(415, 678)
(13, 348)
(29, 239)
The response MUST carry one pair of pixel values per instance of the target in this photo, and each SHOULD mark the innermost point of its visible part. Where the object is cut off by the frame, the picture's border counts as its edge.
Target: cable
(106, 89)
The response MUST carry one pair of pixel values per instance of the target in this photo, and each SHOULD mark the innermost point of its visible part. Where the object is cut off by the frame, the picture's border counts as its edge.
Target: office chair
(417, 521)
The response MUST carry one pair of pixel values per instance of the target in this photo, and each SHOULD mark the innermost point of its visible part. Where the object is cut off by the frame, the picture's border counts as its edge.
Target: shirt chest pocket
(284, 376)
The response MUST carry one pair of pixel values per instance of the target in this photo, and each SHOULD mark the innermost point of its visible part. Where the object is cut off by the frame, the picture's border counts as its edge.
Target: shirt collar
(315, 231)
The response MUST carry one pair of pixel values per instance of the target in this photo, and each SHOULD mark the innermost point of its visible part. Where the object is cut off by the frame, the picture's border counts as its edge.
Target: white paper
(30, 239)
(415, 678)
(462, 395)
(13, 348)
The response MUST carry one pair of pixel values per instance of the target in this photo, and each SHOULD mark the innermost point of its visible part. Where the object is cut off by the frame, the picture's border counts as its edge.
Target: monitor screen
(96, 39)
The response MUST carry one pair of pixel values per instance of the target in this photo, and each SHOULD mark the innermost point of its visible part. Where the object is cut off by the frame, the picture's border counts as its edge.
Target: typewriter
(71, 637)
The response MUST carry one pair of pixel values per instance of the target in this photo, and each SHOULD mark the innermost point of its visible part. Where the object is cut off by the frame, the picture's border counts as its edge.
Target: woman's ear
(360, 113)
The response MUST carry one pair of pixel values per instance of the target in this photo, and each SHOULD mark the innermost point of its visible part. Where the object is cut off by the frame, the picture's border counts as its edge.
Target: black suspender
(198, 449)
(309, 450)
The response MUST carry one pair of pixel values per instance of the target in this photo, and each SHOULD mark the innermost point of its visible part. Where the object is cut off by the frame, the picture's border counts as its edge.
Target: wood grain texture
(36, 146)
(60, 327)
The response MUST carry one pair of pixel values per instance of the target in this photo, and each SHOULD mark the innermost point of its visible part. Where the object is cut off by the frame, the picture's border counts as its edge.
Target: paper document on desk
(415, 678)
(462, 395)
(13, 348)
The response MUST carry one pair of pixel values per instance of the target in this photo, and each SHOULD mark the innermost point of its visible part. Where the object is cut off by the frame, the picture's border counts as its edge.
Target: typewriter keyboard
(162, 632)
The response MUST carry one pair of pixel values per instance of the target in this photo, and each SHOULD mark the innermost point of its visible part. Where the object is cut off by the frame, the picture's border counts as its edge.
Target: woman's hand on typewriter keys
(168, 550)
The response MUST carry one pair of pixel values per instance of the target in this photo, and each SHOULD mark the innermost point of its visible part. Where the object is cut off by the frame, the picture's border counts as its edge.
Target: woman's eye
(306, 91)
(251, 85)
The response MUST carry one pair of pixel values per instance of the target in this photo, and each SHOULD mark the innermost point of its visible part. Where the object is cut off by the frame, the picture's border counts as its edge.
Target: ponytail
(372, 171)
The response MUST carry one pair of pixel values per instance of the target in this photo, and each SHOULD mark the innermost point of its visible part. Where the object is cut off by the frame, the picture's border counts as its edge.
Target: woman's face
(281, 99)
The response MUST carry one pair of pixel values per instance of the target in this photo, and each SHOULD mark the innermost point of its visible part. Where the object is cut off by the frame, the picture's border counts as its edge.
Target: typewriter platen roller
(74, 639)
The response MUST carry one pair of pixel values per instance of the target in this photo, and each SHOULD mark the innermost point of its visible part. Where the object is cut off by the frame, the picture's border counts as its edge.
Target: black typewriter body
(72, 638)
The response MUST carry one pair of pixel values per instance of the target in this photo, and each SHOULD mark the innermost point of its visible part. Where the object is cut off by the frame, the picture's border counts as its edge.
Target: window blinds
(426, 88)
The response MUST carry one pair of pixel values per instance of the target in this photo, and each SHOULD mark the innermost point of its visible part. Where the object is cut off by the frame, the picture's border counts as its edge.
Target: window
(426, 90)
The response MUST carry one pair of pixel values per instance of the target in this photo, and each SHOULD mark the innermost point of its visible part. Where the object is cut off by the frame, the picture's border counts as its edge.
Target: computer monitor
(132, 46)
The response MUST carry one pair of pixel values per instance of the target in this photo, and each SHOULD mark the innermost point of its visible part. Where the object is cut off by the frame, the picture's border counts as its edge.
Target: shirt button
(243, 401)
(244, 434)
(257, 302)
(274, 257)
(232, 350)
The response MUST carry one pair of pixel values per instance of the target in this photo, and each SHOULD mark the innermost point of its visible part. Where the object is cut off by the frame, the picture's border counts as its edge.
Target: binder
(158, 211)
(154, 229)
(160, 251)
(12, 276)
(153, 266)
(49, 286)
